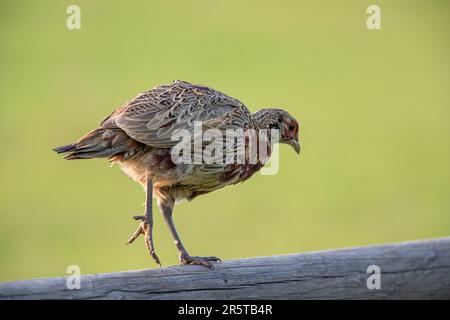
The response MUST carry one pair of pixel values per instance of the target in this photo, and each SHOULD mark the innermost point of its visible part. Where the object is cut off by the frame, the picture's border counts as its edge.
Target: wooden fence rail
(411, 270)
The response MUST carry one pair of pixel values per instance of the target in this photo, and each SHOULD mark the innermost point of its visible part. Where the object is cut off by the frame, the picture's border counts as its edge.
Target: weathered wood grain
(412, 270)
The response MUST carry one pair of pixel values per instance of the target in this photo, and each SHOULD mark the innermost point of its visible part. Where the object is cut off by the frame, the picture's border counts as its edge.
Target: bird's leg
(146, 226)
(167, 210)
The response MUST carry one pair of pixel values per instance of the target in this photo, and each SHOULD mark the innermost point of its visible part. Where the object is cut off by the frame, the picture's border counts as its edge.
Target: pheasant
(138, 137)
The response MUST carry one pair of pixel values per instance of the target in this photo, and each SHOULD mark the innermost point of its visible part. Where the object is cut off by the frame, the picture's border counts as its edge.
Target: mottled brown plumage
(138, 138)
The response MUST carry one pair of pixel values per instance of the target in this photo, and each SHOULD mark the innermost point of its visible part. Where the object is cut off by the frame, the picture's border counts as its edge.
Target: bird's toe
(211, 258)
(200, 261)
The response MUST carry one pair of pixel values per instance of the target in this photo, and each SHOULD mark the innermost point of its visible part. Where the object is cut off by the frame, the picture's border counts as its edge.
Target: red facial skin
(290, 129)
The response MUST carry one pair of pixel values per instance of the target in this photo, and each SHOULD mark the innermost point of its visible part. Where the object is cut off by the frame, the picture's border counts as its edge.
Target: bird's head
(283, 122)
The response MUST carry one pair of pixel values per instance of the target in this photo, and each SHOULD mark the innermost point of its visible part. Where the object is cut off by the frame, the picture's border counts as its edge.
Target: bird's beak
(295, 144)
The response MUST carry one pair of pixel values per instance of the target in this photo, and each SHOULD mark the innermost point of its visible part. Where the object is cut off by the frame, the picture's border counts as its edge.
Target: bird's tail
(99, 143)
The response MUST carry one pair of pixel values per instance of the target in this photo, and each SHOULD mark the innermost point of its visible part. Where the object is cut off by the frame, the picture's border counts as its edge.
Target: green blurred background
(373, 106)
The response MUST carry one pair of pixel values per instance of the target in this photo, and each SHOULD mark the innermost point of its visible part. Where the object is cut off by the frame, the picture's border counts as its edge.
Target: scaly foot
(185, 258)
(145, 229)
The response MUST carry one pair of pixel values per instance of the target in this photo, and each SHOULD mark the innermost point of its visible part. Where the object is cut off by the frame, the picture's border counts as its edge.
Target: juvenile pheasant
(138, 137)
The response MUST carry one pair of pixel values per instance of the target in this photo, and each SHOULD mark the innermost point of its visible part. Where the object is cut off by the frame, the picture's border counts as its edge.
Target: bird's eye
(291, 127)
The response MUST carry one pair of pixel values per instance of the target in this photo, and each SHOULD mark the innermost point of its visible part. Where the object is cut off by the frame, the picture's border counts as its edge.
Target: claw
(144, 229)
(211, 258)
(151, 250)
(136, 234)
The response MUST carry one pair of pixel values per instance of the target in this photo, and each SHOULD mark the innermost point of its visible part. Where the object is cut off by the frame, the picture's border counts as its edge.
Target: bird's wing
(153, 116)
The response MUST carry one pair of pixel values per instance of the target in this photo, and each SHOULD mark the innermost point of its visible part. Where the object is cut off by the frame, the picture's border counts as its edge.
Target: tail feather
(105, 153)
(64, 149)
(99, 143)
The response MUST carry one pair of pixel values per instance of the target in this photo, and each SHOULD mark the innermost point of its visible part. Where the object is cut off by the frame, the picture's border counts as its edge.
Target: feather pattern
(153, 116)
